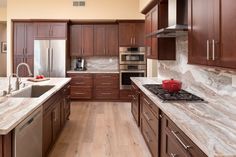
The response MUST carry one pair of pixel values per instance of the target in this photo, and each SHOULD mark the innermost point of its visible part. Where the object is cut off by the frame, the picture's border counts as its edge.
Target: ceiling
(3, 3)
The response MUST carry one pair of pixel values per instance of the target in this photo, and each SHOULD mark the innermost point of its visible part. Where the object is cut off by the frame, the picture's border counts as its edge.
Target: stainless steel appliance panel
(57, 58)
(50, 58)
(125, 75)
(28, 136)
(133, 58)
(41, 57)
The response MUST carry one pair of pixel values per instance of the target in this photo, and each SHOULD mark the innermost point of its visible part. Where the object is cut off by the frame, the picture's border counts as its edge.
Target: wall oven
(128, 71)
(131, 55)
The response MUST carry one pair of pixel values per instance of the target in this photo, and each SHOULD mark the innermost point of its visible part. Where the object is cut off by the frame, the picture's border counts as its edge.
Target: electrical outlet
(234, 81)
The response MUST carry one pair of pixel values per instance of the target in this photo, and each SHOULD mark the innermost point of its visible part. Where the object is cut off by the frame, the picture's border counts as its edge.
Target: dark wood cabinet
(6, 145)
(200, 31)
(81, 86)
(106, 86)
(48, 30)
(94, 86)
(211, 33)
(135, 103)
(131, 34)
(54, 117)
(175, 143)
(159, 48)
(106, 40)
(126, 95)
(81, 40)
(149, 124)
(23, 49)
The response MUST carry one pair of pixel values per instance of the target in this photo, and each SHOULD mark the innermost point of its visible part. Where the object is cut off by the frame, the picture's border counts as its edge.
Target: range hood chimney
(177, 20)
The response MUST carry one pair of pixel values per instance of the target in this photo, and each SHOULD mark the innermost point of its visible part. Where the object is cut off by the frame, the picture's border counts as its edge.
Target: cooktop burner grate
(182, 95)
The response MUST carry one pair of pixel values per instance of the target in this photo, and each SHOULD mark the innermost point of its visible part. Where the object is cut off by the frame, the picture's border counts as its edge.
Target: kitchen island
(13, 110)
(210, 125)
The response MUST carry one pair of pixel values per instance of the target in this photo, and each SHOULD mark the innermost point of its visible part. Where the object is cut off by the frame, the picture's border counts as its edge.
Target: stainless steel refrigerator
(50, 58)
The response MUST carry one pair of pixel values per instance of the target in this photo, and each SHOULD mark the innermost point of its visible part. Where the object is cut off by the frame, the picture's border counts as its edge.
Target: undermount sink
(33, 91)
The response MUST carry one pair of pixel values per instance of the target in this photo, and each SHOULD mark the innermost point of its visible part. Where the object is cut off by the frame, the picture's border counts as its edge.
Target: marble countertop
(211, 126)
(95, 71)
(14, 110)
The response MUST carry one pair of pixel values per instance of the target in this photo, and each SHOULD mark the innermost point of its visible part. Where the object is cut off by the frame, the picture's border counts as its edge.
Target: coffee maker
(80, 64)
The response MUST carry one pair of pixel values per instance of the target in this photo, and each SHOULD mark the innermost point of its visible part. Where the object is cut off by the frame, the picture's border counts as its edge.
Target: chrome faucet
(9, 83)
(18, 82)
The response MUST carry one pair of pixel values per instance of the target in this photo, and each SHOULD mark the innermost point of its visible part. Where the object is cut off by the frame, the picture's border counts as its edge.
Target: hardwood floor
(100, 129)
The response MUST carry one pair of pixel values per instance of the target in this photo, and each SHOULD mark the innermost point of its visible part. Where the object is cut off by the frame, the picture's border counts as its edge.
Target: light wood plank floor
(100, 129)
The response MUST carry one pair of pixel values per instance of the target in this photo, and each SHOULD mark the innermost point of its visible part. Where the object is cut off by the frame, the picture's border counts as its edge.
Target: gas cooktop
(182, 95)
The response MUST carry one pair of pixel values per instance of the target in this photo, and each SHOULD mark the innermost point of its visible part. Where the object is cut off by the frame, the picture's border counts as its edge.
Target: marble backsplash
(99, 63)
(206, 79)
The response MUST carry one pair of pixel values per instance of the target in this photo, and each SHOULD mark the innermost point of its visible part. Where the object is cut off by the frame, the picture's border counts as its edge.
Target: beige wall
(3, 14)
(143, 3)
(3, 56)
(63, 9)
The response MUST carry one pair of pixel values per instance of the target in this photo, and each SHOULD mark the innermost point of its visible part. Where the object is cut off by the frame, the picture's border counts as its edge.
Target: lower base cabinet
(162, 136)
(56, 112)
(6, 145)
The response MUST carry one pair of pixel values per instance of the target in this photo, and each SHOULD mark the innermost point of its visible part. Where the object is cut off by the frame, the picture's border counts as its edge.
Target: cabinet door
(99, 40)
(75, 40)
(42, 30)
(29, 40)
(126, 31)
(87, 40)
(201, 31)
(19, 39)
(56, 114)
(112, 45)
(30, 62)
(138, 37)
(47, 132)
(58, 30)
(228, 33)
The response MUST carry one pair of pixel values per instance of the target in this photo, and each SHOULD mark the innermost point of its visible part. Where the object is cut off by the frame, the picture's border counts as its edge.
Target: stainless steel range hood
(177, 20)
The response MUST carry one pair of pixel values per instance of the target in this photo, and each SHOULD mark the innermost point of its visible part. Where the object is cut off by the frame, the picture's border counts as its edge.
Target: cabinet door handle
(54, 116)
(131, 41)
(79, 93)
(186, 147)
(208, 48)
(213, 50)
(134, 40)
(173, 155)
(146, 101)
(146, 116)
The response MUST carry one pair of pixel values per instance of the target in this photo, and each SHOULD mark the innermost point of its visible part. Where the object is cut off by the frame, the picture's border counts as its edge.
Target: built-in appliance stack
(133, 63)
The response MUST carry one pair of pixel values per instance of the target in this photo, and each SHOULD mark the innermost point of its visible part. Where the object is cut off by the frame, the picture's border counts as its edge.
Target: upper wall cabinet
(23, 46)
(212, 33)
(159, 48)
(131, 34)
(81, 40)
(106, 40)
(47, 30)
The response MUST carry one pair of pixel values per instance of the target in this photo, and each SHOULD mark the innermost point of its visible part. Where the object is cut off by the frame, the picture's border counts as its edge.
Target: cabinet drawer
(135, 111)
(81, 92)
(81, 79)
(106, 94)
(177, 137)
(150, 138)
(150, 118)
(106, 81)
(125, 94)
(146, 101)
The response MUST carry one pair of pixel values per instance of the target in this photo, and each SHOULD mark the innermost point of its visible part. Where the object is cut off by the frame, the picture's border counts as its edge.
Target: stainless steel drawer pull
(79, 93)
(80, 83)
(106, 83)
(213, 50)
(146, 116)
(106, 93)
(208, 48)
(180, 141)
(147, 137)
(133, 97)
(173, 155)
(146, 101)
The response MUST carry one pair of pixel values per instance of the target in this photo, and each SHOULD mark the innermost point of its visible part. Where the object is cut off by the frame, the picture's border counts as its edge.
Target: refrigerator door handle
(51, 59)
(48, 67)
